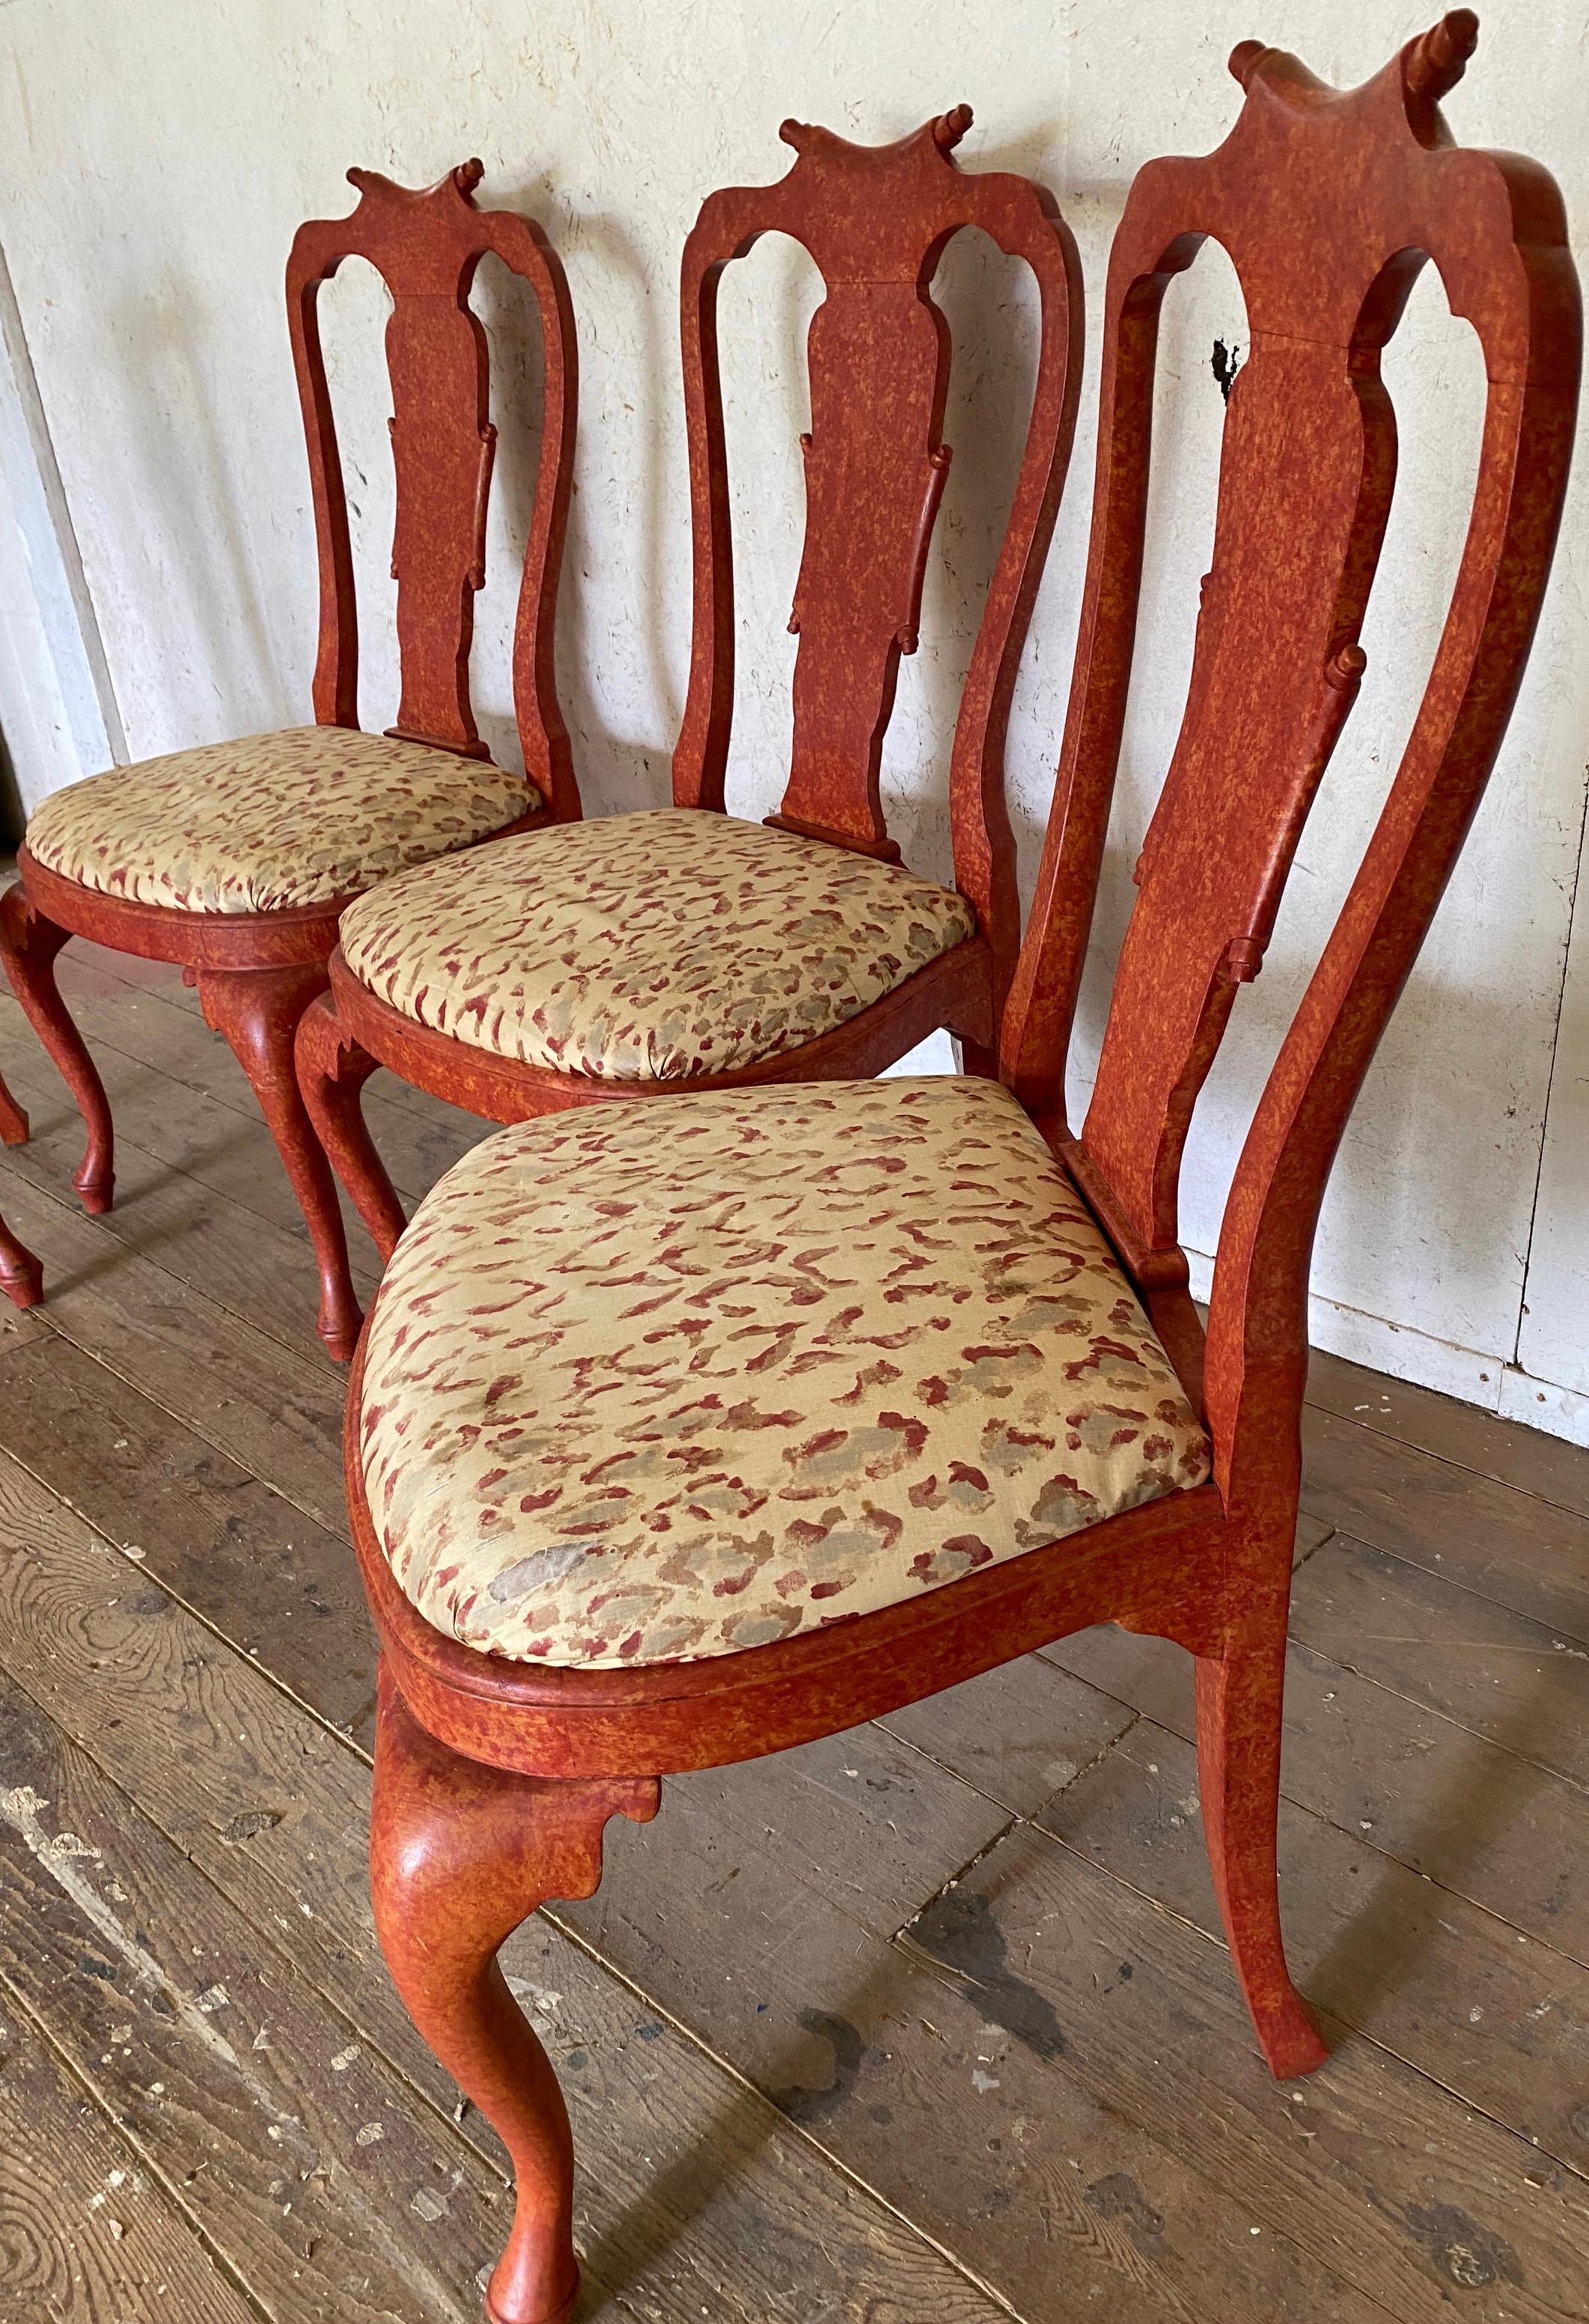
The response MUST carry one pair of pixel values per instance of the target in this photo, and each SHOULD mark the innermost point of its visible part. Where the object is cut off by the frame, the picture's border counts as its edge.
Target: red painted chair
(679, 1438)
(679, 951)
(237, 860)
(22, 1279)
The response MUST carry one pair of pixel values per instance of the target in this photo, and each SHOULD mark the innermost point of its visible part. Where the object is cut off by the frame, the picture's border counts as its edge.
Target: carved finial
(1245, 58)
(947, 131)
(463, 179)
(1437, 63)
(1347, 668)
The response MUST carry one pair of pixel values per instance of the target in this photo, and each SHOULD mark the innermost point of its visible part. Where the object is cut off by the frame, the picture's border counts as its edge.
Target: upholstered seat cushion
(296, 817)
(650, 946)
(646, 1384)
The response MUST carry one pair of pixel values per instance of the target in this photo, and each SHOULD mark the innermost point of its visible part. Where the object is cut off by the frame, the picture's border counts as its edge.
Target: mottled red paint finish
(876, 219)
(1328, 203)
(451, 1880)
(257, 972)
(427, 247)
(22, 1279)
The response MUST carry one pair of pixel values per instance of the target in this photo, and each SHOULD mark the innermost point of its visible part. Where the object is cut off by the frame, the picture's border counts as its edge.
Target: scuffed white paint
(1559, 1411)
(60, 1853)
(158, 160)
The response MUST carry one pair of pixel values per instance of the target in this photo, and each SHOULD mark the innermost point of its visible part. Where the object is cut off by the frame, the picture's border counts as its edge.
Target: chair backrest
(426, 245)
(1328, 204)
(876, 220)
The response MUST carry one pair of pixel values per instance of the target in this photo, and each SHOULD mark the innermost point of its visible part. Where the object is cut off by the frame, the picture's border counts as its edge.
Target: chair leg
(14, 1122)
(22, 1279)
(258, 1010)
(332, 1071)
(1239, 1775)
(460, 1854)
(29, 944)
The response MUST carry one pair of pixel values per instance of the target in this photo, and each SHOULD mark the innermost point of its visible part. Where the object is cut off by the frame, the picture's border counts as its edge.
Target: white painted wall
(58, 709)
(156, 161)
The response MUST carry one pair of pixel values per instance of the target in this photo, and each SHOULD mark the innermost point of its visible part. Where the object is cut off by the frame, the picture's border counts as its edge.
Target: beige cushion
(298, 817)
(649, 947)
(652, 1384)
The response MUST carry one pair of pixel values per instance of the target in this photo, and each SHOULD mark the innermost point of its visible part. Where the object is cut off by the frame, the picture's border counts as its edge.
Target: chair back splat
(426, 247)
(1329, 204)
(876, 220)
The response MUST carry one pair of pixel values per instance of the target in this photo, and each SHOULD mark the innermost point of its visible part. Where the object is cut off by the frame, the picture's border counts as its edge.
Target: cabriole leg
(258, 1010)
(14, 1122)
(332, 1071)
(22, 1279)
(1239, 1699)
(460, 1854)
(29, 944)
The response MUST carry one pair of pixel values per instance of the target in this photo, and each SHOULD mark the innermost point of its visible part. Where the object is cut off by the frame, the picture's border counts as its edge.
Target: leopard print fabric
(649, 947)
(298, 817)
(648, 1387)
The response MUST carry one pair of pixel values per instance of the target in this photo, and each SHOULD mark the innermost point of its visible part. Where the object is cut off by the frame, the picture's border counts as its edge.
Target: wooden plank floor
(927, 2024)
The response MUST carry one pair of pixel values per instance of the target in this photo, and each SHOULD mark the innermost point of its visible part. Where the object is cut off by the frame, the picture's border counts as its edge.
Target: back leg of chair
(258, 1010)
(1239, 1698)
(14, 1122)
(22, 1279)
(29, 944)
(460, 1854)
(332, 1071)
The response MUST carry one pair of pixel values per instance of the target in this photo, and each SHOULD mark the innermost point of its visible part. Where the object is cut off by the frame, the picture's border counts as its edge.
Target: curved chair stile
(237, 859)
(677, 1438)
(666, 953)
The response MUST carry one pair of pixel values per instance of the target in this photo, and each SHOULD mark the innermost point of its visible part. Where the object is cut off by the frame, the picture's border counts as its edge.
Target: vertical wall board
(57, 707)
(1553, 1343)
(41, 749)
